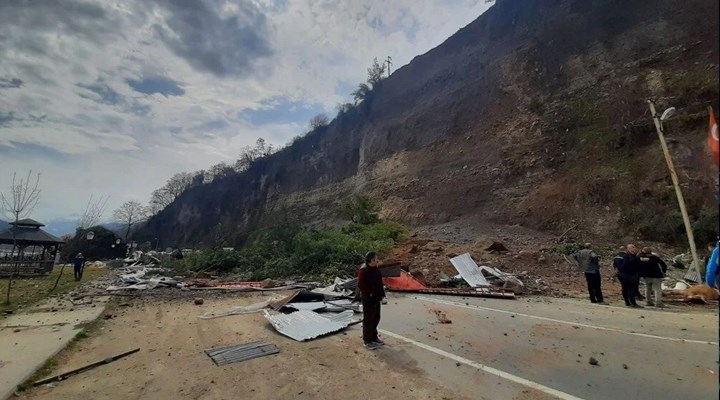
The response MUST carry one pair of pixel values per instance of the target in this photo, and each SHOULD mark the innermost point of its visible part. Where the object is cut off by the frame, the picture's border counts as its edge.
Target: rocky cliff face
(534, 114)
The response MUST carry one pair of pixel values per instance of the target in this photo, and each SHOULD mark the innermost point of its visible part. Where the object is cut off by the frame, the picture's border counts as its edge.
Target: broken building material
(469, 270)
(298, 297)
(408, 284)
(307, 306)
(306, 325)
(242, 352)
(239, 310)
(491, 292)
(68, 374)
(479, 276)
(405, 282)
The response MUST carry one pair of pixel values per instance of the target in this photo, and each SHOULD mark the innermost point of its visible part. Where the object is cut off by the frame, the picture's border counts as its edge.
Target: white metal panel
(469, 271)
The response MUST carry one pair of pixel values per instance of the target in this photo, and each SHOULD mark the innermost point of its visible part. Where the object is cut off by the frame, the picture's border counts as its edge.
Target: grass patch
(51, 365)
(47, 368)
(691, 85)
(28, 291)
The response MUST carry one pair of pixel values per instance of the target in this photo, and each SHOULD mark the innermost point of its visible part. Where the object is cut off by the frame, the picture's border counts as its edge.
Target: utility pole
(678, 192)
(389, 63)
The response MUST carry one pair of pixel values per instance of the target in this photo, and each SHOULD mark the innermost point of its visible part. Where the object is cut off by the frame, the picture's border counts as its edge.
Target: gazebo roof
(26, 234)
(27, 222)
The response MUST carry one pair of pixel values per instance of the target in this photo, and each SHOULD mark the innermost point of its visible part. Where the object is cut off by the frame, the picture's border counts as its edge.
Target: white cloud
(75, 118)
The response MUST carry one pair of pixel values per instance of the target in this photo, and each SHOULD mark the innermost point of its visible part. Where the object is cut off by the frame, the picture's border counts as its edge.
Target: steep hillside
(534, 114)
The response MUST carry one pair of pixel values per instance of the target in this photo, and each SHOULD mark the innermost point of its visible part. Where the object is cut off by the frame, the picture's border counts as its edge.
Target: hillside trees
(375, 75)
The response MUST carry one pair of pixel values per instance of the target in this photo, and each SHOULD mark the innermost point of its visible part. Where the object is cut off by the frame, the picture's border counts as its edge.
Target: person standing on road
(652, 269)
(706, 261)
(372, 292)
(589, 264)
(628, 276)
(711, 275)
(79, 265)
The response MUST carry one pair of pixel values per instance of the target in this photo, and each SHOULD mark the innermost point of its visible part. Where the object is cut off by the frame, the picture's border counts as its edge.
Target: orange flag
(713, 142)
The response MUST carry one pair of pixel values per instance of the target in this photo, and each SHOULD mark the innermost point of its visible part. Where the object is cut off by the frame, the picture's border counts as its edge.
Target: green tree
(361, 209)
(376, 73)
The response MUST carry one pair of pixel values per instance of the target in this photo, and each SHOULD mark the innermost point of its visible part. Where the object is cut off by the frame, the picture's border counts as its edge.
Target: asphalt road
(540, 348)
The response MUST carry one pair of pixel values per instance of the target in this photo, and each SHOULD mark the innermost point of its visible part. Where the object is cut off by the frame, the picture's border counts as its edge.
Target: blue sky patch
(282, 111)
(164, 86)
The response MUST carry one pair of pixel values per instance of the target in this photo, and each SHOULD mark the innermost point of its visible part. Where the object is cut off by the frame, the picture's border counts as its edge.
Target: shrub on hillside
(291, 250)
(360, 209)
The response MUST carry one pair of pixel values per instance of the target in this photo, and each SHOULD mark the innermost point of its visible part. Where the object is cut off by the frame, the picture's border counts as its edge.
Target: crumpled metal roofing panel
(307, 306)
(305, 325)
(238, 353)
(346, 317)
(469, 271)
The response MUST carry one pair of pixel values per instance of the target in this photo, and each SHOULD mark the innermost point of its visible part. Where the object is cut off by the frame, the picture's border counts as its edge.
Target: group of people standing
(630, 266)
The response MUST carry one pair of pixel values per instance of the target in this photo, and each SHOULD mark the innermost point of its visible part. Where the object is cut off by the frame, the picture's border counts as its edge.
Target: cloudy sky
(113, 97)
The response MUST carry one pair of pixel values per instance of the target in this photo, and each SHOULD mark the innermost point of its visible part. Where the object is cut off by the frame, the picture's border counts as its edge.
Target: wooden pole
(678, 192)
(68, 374)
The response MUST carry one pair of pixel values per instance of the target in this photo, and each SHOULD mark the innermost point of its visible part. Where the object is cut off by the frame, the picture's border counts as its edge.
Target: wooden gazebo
(33, 249)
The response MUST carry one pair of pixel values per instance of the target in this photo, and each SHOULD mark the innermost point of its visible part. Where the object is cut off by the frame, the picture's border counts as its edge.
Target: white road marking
(645, 335)
(485, 368)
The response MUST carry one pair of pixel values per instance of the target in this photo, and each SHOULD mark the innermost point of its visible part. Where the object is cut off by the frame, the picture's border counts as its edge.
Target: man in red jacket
(372, 292)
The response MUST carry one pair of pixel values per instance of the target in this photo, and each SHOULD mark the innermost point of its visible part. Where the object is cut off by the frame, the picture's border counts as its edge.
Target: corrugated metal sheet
(309, 306)
(469, 271)
(340, 305)
(350, 284)
(305, 325)
(243, 352)
(693, 276)
(346, 317)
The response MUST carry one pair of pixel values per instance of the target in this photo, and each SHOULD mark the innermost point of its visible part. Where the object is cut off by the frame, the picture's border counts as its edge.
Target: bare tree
(342, 108)
(177, 185)
(249, 154)
(220, 170)
(130, 213)
(93, 212)
(173, 188)
(319, 121)
(19, 203)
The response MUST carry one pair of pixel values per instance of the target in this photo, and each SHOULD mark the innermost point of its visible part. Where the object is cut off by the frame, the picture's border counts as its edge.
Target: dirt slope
(534, 114)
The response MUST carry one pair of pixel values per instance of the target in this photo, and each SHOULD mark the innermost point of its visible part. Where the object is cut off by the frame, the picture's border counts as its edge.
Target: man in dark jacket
(589, 264)
(372, 292)
(652, 269)
(79, 264)
(628, 275)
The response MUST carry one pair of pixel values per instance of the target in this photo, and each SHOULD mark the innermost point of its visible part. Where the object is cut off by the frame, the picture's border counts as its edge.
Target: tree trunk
(127, 232)
(12, 270)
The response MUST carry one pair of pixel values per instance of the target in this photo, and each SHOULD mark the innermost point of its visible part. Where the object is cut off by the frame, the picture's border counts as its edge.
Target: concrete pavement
(28, 340)
(540, 348)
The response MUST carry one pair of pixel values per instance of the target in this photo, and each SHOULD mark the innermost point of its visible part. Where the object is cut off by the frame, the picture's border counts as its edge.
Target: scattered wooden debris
(88, 367)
